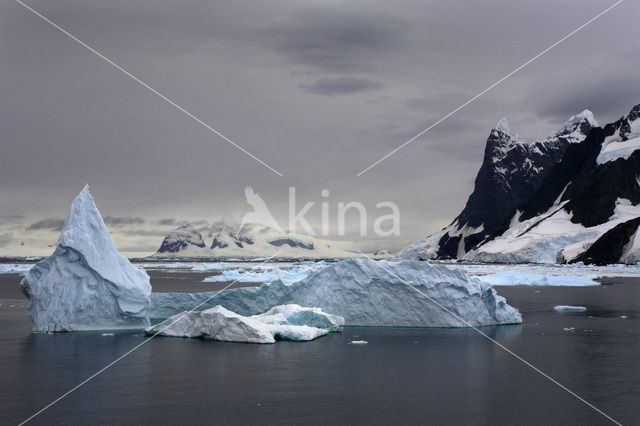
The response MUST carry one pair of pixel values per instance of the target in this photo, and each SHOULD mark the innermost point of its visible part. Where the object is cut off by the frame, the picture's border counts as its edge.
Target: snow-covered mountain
(185, 241)
(512, 170)
(250, 241)
(585, 209)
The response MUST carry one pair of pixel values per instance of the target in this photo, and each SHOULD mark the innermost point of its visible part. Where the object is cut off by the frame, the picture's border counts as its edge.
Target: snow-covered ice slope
(287, 322)
(549, 238)
(86, 284)
(366, 293)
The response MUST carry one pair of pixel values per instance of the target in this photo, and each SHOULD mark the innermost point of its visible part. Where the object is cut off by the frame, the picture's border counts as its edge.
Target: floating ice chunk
(367, 293)
(358, 342)
(86, 284)
(15, 268)
(569, 329)
(509, 278)
(297, 315)
(218, 323)
(568, 308)
(286, 275)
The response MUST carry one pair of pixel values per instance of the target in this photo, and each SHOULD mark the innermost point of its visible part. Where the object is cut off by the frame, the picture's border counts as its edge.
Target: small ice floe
(107, 334)
(569, 329)
(358, 342)
(623, 316)
(282, 322)
(568, 308)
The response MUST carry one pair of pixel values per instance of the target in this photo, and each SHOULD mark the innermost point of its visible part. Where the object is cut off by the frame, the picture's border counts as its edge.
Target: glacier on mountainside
(86, 284)
(287, 322)
(366, 293)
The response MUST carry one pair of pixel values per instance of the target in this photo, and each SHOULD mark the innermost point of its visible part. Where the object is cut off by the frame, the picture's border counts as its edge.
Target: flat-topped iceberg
(366, 293)
(86, 284)
(288, 322)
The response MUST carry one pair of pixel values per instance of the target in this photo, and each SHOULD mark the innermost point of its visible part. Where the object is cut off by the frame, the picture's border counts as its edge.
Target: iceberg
(288, 322)
(86, 284)
(403, 293)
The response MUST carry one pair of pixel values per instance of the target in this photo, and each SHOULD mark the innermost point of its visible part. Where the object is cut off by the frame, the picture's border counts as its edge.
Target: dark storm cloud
(123, 221)
(336, 37)
(609, 100)
(50, 223)
(609, 93)
(341, 86)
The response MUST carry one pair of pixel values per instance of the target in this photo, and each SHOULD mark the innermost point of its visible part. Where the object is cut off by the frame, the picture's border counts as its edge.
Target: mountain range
(249, 241)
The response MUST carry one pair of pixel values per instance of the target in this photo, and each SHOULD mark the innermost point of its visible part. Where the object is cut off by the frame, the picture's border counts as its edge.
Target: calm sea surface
(402, 376)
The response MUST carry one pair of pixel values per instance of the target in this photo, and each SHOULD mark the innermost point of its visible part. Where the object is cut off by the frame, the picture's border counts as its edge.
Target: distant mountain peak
(182, 238)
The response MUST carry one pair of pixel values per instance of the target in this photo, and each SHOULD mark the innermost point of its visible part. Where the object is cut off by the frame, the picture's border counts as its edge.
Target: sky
(318, 90)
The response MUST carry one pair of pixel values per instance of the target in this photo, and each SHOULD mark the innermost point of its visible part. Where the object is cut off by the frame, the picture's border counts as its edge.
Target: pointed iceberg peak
(503, 127)
(84, 229)
(86, 284)
(581, 123)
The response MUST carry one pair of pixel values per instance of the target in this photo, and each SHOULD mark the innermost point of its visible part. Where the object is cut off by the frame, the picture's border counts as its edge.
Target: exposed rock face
(86, 284)
(278, 242)
(614, 246)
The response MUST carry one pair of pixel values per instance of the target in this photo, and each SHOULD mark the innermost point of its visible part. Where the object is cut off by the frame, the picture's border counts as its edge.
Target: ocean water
(402, 376)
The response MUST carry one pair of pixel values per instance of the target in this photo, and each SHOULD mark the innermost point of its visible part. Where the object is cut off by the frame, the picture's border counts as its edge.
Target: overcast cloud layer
(317, 89)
